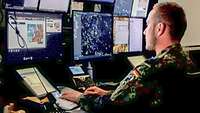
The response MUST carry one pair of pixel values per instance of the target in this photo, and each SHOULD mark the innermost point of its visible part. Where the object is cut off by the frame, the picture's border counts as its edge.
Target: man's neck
(163, 44)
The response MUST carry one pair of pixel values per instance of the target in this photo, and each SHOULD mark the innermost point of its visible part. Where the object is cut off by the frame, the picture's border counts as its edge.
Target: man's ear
(160, 28)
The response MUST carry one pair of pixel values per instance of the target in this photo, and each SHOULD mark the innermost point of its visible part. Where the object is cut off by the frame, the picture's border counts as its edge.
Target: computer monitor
(136, 35)
(33, 37)
(140, 8)
(123, 7)
(21, 4)
(14, 4)
(127, 35)
(120, 34)
(92, 35)
(54, 5)
(97, 1)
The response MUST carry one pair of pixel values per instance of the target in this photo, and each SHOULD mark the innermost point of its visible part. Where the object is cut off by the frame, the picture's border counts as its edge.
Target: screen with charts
(123, 7)
(120, 34)
(92, 35)
(33, 37)
(127, 35)
(22, 4)
(54, 5)
(35, 81)
(140, 8)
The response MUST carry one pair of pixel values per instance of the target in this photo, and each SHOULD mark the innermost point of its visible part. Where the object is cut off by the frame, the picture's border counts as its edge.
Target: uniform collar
(175, 46)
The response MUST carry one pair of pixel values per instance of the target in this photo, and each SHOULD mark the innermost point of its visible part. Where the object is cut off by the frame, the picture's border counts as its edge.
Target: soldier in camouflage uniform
(154, 82)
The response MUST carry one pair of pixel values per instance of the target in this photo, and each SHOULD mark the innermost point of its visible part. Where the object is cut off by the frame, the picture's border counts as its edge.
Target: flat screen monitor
(12, 4)
(22, 4)
(33, 37)
(123, 7)
(120, 34)
(136, 35)
(54, 5)
(98, 1)
(140, 8)
(92, 35)
(127, 35)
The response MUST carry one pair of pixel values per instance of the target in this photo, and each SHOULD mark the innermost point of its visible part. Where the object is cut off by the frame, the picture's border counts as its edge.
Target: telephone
(81, 78)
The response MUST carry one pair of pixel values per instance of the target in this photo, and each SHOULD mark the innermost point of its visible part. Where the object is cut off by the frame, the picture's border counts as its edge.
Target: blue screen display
(123, 7)
(21, 4)
(33, 37)
(14, 3)
(92, 35)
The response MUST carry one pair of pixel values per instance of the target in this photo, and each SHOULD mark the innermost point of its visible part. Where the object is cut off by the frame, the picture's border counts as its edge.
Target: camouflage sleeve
(126, 89)
(93, 103)
(131, 87)
(126, 92)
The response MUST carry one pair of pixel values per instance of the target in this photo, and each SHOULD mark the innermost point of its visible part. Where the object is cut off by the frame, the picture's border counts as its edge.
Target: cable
(38, 76)
(1, 16)
(38, 6)
(1, 11)
(19, 36)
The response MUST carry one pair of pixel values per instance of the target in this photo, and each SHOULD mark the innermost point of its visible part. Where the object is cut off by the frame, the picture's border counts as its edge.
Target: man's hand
(10, 109)
(95, 91)
(71, 95)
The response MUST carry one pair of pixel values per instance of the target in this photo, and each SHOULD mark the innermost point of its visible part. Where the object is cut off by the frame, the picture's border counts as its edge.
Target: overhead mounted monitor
(123, 7)
(14, 4)
(106, 1)
(92, 35)
(54, 5)
(100, 1)
(31, 4)
(97, 1)
(21, 4)
(33, 37)
(127, 35)
(75, 6)
(140, 8)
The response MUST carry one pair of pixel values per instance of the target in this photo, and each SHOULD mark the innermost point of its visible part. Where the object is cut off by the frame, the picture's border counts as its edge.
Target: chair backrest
(184, 94)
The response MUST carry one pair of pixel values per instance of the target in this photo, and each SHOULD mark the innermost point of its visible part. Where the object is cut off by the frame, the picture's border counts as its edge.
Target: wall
(191, 7)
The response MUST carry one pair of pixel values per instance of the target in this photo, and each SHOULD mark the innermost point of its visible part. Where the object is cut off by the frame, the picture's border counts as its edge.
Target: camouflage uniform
(144, 85)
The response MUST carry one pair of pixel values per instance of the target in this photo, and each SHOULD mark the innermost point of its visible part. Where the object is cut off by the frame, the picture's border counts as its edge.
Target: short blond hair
(174, 15)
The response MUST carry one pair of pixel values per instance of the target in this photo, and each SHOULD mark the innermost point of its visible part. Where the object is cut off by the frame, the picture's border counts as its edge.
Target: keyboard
(63, 103)
(66, 104)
